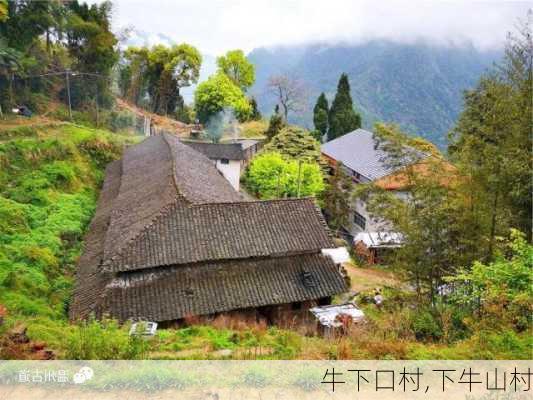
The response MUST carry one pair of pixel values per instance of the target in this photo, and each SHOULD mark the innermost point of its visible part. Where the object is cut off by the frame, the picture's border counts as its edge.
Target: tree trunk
(493, 226)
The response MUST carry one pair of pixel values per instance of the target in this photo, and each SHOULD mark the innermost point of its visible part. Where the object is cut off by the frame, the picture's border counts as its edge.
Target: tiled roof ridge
(163, 211)
(174, 169)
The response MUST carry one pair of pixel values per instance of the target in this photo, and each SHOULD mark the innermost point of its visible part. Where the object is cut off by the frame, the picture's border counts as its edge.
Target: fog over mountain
(418, 86)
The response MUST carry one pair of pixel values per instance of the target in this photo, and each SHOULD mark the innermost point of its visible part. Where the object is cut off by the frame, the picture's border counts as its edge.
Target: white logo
(84, 374)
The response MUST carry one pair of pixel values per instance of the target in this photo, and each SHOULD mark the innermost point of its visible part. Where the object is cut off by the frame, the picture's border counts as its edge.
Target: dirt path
(368, 278)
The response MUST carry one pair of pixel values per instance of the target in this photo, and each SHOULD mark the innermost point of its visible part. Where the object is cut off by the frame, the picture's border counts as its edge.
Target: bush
(120, 120)
(425, 326)
(105, 340)
(272, 176)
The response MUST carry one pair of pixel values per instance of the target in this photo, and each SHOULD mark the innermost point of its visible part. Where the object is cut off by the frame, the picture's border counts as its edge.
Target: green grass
(49, 181)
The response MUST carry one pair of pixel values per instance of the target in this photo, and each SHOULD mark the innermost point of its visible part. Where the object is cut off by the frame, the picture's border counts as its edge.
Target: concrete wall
(231, 171)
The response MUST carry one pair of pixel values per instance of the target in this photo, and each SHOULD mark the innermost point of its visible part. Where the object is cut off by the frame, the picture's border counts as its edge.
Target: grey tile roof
(177, 292)
(164, 204)
(358, 151)
(217, 151)
(217, 231)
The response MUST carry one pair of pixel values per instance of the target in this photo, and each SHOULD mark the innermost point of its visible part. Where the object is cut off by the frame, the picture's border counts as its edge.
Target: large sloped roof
(359, 151)
(177, 292)
(164, 205)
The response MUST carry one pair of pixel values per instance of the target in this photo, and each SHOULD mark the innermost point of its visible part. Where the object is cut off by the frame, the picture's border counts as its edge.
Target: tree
(504, 285)
(296, 143)
(237, 67)
(289, 93)
(275, 124)
(438, 231)
(255, 114)
(320, 114)
(271, 175)
(337, 198)
(492, 142)
(217, 93)
(3, 10)
(158, 73)
(342, 116)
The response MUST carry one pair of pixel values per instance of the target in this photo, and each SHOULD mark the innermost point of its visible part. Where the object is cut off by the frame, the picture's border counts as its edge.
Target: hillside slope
(418, 86)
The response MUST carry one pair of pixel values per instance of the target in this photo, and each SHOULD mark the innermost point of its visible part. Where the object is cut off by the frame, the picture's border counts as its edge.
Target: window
(359, 220)
(224, 161)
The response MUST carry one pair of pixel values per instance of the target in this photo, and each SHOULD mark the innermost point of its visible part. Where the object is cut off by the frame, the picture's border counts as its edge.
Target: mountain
(419, 86)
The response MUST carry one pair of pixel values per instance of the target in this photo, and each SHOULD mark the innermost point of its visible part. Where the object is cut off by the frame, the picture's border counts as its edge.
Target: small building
(230, 158)
(372, 247)
(172, 239)
(336, 319)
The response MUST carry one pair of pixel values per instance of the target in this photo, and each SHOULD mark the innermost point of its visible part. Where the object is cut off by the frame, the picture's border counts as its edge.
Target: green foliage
(338, 197)
(235, 65)
(500, 291)
(320, 114)
(425, 326)
(275, 124)
(255, 114)
(3, 10)
(159, 73)
(342, 116)
(34, 42)
(103, 340)
(217, 93)
(492, 142)
(272, 176)
(48, 190)
(120, 120)
(297, 143)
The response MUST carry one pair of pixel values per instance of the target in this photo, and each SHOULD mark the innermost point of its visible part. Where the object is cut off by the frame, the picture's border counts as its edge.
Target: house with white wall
(364, 161)
(230, 158)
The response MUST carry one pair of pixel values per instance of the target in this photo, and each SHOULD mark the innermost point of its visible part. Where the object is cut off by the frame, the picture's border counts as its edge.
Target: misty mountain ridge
(417, 85)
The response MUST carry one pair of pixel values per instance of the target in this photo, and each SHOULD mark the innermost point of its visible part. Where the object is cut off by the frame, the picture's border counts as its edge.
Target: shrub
(103, 340)
(425, 326)
(272, 176)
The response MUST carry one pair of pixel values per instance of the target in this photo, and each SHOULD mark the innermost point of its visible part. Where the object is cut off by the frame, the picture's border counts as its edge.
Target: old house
(230, 158)
(364, 162)
(171, 239)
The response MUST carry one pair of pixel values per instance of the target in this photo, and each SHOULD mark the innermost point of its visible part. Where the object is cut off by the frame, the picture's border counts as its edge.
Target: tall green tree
(432, 214)
(217, 93)
(320, 114)
(492, 142)
(256, 114)
(337, 198)
(237, 67)
(342, 116)
(275, 124)
(158, 73)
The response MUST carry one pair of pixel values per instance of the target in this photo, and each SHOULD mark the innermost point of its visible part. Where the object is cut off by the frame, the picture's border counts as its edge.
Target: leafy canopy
(217, 93)
(271, 175)
(237, 67)
(296, 143)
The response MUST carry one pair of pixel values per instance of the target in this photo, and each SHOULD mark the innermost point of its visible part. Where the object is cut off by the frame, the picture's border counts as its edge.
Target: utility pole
(299, 173)
(67, 73)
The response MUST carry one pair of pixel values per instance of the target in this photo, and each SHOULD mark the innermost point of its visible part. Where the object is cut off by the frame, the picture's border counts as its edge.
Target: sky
(215, 26)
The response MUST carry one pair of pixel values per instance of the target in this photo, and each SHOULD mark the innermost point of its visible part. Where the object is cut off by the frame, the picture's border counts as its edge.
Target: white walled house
(230, 158)
(362, 160)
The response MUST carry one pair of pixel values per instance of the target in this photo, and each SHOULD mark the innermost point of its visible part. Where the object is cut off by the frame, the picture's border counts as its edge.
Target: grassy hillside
(49, 179)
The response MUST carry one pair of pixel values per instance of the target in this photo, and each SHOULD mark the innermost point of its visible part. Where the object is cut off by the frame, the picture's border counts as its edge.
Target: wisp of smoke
(223, 121)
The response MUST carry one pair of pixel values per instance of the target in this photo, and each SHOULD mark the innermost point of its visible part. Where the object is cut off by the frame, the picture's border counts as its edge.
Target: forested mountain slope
(419, 86)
